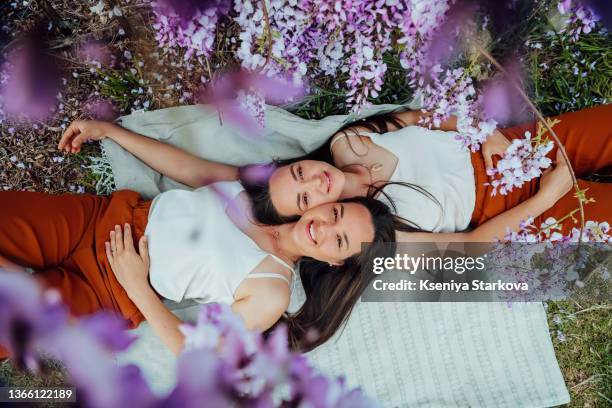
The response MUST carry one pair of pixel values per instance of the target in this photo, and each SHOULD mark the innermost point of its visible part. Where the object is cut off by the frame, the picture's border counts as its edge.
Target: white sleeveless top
(196, 251)
(437, 162)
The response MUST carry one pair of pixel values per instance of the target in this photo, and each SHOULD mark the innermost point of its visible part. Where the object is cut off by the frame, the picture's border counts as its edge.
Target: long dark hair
(332, 291)
(258, 189)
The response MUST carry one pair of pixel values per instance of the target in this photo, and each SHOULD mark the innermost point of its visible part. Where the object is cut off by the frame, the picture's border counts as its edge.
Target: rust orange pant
(587, 138)
(61, 237)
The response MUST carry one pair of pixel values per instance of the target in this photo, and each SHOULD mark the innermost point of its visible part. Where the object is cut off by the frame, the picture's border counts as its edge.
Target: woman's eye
(339, 239)
(305, 199)
(300, 173)
(335, 214)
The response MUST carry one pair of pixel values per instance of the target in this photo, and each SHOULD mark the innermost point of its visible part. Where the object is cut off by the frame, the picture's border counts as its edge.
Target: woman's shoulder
(269, 280)
(352, 142)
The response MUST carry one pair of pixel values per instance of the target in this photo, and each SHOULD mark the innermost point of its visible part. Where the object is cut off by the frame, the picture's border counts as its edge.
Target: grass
(568, 76)
(583, 351)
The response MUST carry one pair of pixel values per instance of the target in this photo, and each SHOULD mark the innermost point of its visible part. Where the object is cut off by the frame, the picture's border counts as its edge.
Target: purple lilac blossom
(581, 18)
(188, 26)
(27, 317)
(523, 161)
(251, 370)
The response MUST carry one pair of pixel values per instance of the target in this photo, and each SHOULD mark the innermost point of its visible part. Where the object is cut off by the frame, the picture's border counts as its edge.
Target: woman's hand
(130, 267)
(556, 182)
(80, 131)
(495, 145)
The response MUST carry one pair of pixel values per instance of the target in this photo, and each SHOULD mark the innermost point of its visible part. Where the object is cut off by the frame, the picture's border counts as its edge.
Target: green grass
(585, 354)
(567, 76)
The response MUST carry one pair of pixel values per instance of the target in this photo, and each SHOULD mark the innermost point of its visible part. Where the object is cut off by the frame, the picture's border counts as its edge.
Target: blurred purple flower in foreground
(101, 109)
(32, 78)
(501, 101)
(34, 323)
(224, 363)
(94, 52)
(251, 371)
(240, 98)
(27, 317)
(94, 372)
(188, 9)
(258, 173)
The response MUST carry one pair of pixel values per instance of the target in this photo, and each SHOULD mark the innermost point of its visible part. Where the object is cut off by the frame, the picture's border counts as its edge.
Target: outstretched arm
(169, 160)
(553, 185)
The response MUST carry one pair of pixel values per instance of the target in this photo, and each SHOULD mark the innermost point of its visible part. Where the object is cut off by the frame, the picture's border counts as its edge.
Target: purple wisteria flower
(241, 367)
(240, 98)
(523, 161)
(559, 259)
(581, 18)
(189, 26)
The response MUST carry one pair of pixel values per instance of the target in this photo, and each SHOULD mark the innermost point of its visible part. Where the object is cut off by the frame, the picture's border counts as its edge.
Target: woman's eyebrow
(346, 240)
(293, 173)
(299, 202)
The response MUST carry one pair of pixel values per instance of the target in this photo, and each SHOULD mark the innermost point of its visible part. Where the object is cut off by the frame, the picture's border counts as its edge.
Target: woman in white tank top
(428, 178)
(377, 165)
(425, 175)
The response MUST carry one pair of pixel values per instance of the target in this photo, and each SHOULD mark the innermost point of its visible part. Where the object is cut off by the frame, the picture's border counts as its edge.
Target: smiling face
(303, 185)
(333, 232)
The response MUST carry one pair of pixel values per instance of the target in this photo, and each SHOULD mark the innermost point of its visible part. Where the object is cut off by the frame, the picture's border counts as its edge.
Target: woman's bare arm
(163, 322)
(261, 302)
(554, 184)
(131, 269)
(259, 312)
(495, 228)
(169, 160)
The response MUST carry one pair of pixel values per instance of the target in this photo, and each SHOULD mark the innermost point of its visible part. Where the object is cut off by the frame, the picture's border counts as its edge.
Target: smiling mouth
(329, 181)
(310, 231)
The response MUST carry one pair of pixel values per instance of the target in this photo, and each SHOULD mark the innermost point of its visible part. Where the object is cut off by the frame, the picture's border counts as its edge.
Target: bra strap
(277, 275)
(262, 275)
(282, 262)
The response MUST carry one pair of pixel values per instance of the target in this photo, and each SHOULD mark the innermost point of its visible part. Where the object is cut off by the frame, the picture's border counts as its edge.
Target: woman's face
(333, 232)
(303, 185)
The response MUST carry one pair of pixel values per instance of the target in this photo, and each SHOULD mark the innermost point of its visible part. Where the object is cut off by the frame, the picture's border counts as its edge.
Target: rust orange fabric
(62, 238)
(587, 138)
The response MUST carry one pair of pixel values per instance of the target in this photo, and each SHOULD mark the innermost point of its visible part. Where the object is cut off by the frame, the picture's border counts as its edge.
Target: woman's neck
(284, 245)
(357, 181)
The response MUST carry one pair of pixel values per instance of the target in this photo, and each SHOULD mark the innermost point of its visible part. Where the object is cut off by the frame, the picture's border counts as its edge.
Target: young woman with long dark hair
(431, 182)
(435, 183)
(332, 287)
(199, 247)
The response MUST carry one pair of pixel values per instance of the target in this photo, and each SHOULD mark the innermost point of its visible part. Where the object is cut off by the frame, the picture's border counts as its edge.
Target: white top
(196, 251)
(435, 161)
